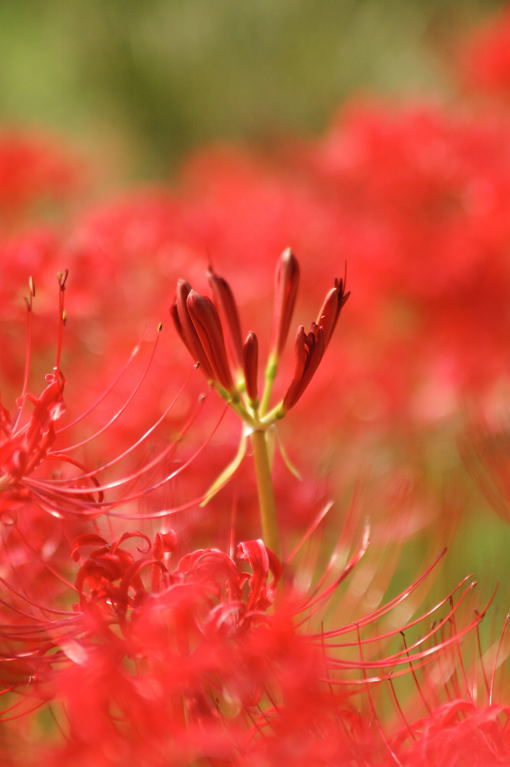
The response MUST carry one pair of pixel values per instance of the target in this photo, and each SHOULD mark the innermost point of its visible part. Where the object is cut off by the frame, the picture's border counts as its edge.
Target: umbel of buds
(231, 365)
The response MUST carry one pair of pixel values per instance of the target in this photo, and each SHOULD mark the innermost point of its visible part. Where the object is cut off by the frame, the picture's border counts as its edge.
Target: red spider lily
(23, 449)
(30, 443)
(113, 576)
(205, 586)
(208, 659)
(198, 323)
(145, 655)
(27, 443)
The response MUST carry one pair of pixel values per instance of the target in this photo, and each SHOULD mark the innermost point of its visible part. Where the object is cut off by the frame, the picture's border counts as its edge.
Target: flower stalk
(232, 366)
(269, 378)
(267, 504)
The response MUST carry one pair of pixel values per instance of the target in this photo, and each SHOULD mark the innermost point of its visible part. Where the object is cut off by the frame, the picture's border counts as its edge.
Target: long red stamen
(28, 352)
(310, 530)
(423, 639)
(124, 453)
(496, 659)
(62, 317)
(392, 603)
(79, 508)
(123, 407)
(134, 352)
(415, 677)
(482, 664)
(74, 491)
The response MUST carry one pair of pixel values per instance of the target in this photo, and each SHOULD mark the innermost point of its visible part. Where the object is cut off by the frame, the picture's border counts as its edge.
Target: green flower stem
(267, 504)
(274, 415)
(270, 375)
(235, 402)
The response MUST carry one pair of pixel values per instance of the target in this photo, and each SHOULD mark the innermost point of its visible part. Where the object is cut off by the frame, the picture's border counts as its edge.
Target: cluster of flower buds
(232, 365)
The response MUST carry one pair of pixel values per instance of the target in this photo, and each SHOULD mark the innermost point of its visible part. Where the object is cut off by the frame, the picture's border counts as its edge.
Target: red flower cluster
(207, 656)
(172, 646)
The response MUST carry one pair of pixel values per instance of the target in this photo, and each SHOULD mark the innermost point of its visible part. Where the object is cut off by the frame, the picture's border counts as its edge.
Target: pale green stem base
(270, 375)
(267, 504)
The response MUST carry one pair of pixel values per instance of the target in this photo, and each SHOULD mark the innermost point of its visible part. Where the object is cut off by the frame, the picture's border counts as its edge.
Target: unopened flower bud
(309, 352)
(287, 283)
(331, 308)
(310, 347)
(186, 330)
(250, 365)
(207, 324)
(226, 302)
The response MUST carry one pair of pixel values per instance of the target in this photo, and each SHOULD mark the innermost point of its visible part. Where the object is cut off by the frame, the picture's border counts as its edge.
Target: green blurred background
(153, 79)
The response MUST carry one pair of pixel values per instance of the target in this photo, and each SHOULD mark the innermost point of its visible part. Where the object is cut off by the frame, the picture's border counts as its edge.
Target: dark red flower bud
(207, 324)
(310, 347)
(226, 301)
(287, 283)
(185, 328)
(316, 346)
(251, 364)
(174, 313)
(309, 352)
(331, 308)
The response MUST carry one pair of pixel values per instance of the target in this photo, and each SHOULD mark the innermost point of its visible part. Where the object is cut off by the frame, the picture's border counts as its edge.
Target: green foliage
(166, 75)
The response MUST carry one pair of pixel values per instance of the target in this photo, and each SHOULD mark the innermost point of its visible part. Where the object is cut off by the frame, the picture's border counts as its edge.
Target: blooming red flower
(206, 656)
(157, 648)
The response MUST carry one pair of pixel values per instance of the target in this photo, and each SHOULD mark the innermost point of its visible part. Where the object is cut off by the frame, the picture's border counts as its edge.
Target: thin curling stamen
(27, 446)
(62, 315)
(29, 300)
